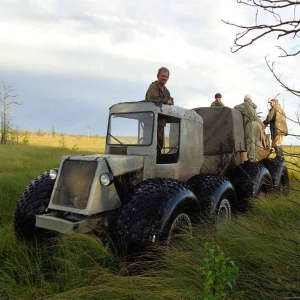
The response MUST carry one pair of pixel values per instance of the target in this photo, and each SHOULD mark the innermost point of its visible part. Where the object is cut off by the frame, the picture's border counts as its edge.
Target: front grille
(74, 183)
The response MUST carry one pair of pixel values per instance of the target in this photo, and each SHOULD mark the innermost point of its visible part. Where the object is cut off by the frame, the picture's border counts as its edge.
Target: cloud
(72, 60)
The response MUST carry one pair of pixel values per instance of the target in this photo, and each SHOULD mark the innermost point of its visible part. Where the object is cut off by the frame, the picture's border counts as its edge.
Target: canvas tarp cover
(223, 130)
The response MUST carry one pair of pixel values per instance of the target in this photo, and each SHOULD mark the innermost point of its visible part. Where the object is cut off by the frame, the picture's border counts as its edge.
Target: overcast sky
(71, 60)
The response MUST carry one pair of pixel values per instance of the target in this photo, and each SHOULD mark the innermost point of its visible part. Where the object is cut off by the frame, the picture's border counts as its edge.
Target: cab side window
(169, 152)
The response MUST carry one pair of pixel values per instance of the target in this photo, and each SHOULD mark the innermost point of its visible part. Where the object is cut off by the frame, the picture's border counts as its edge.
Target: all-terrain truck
(141, 193)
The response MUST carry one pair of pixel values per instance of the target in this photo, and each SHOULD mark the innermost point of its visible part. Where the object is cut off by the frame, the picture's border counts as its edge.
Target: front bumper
(51, 222)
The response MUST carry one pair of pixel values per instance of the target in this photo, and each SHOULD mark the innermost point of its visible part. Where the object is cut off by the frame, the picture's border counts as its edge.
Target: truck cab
(132, 130)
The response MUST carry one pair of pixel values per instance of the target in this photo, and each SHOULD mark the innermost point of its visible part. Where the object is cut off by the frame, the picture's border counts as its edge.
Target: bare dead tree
(284, 22)
(278, 18)
(281, 27)
(279, 80)
(53, 131)
(8, 97)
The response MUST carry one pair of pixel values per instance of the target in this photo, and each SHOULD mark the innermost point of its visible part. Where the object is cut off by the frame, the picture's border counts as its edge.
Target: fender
(262, 177)
(281, 170)
(279, 173)
(224, 191)
(249, 179)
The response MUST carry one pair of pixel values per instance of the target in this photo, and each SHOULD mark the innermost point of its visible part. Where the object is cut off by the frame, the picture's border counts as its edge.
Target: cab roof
(168, 110)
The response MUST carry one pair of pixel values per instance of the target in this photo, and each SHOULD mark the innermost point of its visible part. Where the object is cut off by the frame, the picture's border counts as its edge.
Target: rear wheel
(181, 224)
(33, 201)
(249, 179)
(224, 212)
(156, 210)
(216, 196)
(279, 173)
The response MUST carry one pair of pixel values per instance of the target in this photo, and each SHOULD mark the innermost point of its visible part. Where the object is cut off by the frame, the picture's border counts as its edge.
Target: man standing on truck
(159, 94)
(218, 101)
(263, 138)
(251, 127)
(157, 91)
(278, 127)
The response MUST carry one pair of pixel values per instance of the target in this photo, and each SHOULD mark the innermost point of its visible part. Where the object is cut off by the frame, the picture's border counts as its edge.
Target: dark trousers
(160, 139)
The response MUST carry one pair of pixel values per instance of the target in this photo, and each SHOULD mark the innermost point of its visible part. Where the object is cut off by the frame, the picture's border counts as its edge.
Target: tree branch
(286, 87)
(281, 27)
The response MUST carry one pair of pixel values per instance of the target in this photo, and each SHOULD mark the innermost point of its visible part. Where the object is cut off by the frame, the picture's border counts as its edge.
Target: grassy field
(264, 244)
(82, 143)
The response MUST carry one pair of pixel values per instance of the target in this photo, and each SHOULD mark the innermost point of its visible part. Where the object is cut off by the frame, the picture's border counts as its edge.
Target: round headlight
(106, 179)
(53, 174)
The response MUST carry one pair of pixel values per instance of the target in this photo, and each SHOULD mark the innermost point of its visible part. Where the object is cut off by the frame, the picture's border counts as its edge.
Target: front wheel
(156, 210)
(33, 201)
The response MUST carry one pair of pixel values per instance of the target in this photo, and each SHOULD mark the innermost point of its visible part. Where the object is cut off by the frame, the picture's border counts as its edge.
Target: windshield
(130, 128)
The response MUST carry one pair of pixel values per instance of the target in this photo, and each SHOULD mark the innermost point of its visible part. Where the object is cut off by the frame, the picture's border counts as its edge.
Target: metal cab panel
(78, 189)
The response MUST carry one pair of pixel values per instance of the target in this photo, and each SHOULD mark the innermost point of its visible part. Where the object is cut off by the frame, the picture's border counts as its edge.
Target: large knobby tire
(249, 179)
(156, 208)
(216, 196)
(33, 201)
(279, 173)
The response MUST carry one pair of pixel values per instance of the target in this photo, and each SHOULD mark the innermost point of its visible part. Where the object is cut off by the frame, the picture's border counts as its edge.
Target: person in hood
(251, 128)
(278, 127)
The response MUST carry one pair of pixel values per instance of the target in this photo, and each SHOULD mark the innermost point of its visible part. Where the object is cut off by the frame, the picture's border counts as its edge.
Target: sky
(69, 61)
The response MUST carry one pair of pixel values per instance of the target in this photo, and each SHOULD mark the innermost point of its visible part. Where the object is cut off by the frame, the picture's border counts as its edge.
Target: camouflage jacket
(156, 95)
(277, 120)
(215, 104)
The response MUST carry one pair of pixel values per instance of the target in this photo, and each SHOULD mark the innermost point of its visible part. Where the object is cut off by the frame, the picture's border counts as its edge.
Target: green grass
(264, 243)
(80, 267)
(19, 165)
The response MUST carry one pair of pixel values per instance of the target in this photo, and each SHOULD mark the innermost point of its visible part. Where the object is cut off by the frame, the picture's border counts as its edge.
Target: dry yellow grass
(95, 144)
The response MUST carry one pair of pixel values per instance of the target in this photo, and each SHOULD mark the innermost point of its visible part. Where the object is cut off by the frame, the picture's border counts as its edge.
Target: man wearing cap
(251, 127)
(218, 101)
(278, 127)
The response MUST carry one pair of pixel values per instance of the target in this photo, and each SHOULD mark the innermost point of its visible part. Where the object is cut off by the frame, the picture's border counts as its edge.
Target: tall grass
(19, 164)
(81, 267)
(264, 243)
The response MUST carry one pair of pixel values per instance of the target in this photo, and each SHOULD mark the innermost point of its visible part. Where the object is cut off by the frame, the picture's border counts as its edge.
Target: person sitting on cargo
(218, 101)
(251, 128)
(159, 94)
